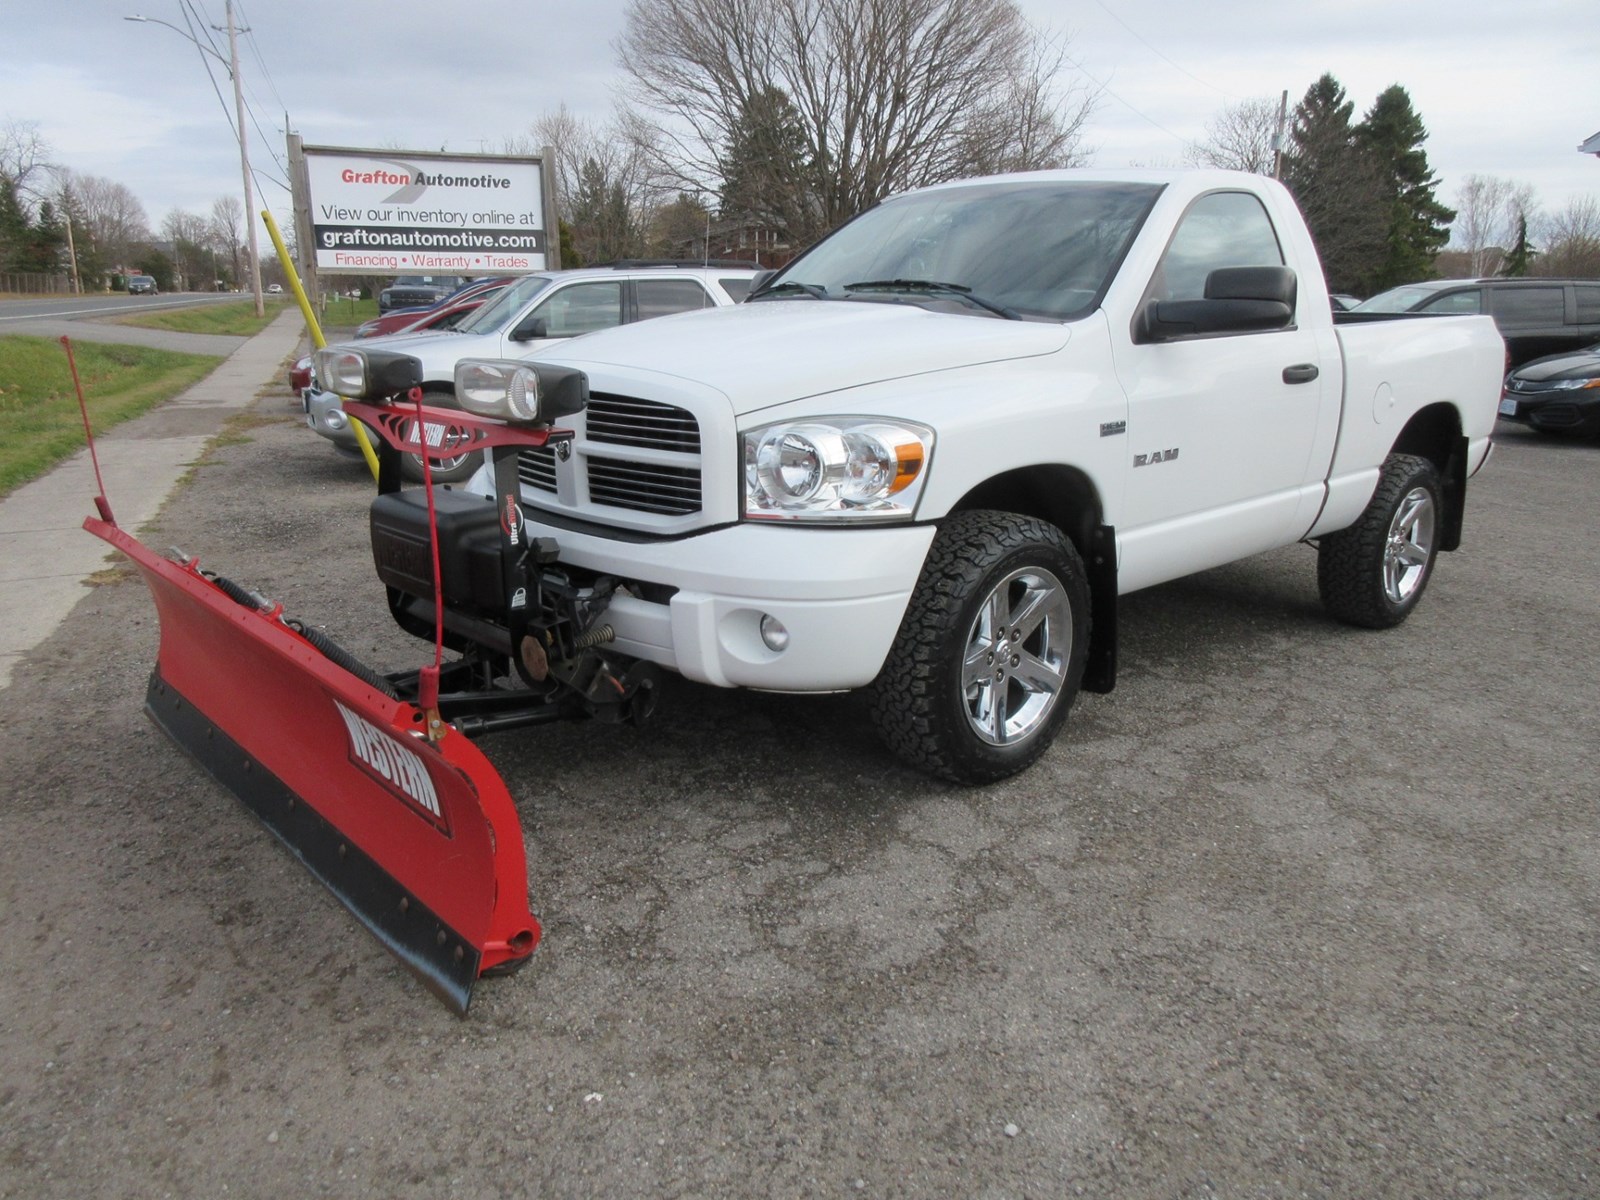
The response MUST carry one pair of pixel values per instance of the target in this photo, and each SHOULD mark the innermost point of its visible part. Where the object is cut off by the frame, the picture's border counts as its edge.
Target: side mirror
(1237, 300)
(760, 281)
(531, 329)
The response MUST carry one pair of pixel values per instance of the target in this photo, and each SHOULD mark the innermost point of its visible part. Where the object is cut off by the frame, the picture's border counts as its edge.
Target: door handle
(1300, 373)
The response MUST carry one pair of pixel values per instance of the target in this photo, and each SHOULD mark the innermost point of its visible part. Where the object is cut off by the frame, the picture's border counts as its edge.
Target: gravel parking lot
(1298, 910)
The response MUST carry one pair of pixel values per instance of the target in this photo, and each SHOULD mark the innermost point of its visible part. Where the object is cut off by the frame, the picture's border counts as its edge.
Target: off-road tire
(922, 704)
(1374, 573)
(448, 471)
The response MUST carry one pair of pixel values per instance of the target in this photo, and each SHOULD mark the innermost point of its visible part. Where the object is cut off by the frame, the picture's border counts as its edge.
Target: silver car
(538, 310)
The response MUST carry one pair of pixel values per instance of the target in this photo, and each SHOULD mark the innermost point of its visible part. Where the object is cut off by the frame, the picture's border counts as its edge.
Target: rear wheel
(1374, 573)
(991, 650)
(455, 469)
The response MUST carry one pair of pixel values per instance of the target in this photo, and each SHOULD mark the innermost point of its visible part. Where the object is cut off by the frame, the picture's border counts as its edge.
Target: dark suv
(141, 285)
(1536, 316)
(417, 291)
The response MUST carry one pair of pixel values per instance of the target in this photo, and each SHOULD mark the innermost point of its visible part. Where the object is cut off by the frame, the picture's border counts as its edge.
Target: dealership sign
(393, 212)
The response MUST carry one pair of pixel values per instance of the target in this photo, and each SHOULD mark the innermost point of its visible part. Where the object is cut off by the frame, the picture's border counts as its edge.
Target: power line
(193, 13)
(1140, 39)
(1106, 88)
(205, 62)
(255, 49)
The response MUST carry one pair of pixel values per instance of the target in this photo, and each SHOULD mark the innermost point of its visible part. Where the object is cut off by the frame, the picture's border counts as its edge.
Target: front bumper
(325, 415)
(1574, 411)
(839, 593)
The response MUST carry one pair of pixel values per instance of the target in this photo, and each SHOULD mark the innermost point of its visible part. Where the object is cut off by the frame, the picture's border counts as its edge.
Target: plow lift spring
(398, 814)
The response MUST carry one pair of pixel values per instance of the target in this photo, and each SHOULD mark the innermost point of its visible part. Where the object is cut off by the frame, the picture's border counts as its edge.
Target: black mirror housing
(531, 330)
(1237, 300)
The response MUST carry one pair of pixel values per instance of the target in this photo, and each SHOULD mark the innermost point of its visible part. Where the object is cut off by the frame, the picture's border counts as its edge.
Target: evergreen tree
(1418, 226)
(1520, 257)
(603, 227)
(35, 247)
(767, 175)
(1337, 187)
(14, 227)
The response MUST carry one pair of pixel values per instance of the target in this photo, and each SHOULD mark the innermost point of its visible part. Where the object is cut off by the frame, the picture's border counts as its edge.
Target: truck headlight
(511, 389)
(365, 374)
(835, 469)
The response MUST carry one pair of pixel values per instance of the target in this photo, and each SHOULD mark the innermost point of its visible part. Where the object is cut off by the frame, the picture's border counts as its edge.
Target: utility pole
(72, 250)
(1277, 137)
(244, 162)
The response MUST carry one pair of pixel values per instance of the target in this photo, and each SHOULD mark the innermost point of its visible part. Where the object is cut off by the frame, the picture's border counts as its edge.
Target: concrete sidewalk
(44, 553)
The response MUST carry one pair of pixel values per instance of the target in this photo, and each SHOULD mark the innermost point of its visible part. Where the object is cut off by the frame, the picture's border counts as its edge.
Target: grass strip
(237, 320)
(39, 421)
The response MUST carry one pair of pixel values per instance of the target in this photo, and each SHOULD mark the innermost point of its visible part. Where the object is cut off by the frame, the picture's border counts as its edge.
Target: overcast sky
(1504, 89)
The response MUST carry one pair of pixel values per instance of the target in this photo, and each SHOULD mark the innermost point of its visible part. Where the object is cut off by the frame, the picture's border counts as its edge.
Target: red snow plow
(370, 779)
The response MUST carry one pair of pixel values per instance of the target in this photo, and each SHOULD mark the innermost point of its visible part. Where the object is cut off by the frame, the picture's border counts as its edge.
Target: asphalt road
(98, 307)
(1298, 910)
(93, 319)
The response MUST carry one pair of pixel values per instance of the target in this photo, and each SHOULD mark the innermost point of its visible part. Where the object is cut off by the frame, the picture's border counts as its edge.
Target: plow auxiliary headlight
(366, 374)
(520, 392)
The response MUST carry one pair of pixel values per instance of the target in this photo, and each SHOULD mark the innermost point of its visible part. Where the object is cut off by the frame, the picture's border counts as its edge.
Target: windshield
(1044, 249)
(498, 313)
(1398, 300)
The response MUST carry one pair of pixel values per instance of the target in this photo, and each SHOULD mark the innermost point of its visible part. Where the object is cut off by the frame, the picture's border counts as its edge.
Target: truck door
(1220, 427)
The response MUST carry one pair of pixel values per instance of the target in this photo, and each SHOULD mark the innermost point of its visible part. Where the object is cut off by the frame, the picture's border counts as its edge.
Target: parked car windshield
(1044, 249)
(1398, 300)
(498, 313)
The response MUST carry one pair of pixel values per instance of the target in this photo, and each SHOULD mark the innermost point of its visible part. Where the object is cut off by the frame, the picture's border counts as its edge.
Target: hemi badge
(1112, 428)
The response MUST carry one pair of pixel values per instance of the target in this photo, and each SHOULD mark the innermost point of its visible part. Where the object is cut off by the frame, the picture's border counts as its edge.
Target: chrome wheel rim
(453, 435)
(1409, 549)
(1017, 649)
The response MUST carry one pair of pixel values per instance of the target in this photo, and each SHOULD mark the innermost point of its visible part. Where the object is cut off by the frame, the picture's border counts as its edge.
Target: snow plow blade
(419, 839)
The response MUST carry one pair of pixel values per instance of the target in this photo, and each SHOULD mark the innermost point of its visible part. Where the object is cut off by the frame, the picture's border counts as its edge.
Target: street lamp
(232, 64)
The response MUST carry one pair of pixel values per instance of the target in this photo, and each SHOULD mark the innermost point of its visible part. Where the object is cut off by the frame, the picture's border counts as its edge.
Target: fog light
(773, 633)
(336, 419)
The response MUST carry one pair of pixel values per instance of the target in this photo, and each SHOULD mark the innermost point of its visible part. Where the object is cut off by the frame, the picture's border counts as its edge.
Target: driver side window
(1224, 229)
(581, 308)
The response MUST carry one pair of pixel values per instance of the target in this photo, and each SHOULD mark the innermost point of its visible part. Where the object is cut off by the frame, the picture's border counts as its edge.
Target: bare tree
(1241, 137)
(889, 94)
(188, 232)
(1488, 212)
(596, 164)
(25, 162)
(227, 228)
(1571, 238)
(111, 217)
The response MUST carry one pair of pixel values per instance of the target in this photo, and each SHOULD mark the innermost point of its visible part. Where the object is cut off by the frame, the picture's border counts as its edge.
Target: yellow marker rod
(316, 330)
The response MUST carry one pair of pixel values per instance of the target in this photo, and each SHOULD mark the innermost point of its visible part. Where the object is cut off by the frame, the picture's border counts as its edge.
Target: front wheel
(1374, 573)
(991, 650)
(454, 469)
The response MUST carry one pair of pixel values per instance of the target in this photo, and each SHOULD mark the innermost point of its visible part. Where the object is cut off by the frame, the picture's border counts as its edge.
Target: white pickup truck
(928, 455)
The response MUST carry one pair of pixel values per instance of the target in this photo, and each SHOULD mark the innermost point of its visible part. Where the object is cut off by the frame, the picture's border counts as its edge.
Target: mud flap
(420, 840)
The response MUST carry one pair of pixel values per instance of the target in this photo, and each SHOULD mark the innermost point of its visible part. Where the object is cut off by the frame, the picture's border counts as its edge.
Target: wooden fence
(36, 285)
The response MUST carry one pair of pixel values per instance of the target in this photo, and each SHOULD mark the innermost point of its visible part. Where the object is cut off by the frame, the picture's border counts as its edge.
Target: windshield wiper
(960, 290)
(791, 285)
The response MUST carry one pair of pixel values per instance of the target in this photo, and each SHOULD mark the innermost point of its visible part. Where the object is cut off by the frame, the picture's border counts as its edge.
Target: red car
(443, 315)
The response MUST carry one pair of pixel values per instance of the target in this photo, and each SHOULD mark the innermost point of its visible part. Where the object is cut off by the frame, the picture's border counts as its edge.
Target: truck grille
(619, 482)
(624, 421)
(647, 487)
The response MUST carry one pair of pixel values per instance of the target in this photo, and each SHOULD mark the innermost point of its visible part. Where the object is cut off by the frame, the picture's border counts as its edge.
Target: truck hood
(775, 351)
